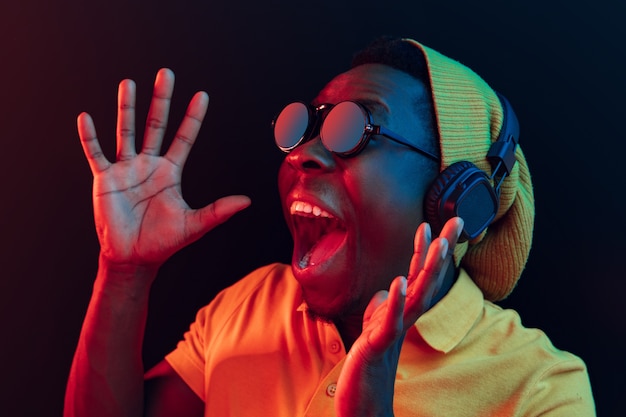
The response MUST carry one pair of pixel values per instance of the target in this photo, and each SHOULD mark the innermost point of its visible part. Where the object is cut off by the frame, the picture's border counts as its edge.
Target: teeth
(299, 207)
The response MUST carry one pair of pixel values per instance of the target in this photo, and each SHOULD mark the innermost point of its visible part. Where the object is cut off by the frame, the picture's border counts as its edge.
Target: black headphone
(464, 190)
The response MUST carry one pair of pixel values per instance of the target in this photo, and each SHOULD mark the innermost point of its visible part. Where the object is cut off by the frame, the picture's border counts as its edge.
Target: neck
(350, 328)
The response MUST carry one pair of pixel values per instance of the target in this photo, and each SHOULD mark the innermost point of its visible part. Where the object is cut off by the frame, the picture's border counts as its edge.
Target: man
(371, 317)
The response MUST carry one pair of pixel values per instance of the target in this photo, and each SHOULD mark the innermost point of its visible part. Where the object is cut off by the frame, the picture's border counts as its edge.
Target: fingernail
(403, 286)
(460, 228)
(444, 248)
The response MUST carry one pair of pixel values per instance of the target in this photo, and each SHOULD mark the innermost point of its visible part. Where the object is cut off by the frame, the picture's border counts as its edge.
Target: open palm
(140, 214)
(366, 382)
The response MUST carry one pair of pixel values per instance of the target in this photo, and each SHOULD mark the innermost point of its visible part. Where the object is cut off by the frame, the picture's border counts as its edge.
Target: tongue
(325, 247)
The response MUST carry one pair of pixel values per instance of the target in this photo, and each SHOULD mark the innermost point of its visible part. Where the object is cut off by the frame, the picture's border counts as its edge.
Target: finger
(435, 259)
(156, 123)
(392, 323)
(420, 247)
(188, 130)
(91, 146)
(451, 232)
(126, 120)
(428, 281)
(216, 213)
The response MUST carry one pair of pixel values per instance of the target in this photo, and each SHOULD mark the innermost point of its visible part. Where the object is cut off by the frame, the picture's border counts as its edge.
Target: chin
(331, 313)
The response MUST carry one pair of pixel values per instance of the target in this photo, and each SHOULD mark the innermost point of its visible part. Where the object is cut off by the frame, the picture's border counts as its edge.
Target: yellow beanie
(469, 118)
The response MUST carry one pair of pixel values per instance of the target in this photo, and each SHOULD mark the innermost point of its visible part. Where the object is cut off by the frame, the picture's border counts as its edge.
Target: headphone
(464, 190)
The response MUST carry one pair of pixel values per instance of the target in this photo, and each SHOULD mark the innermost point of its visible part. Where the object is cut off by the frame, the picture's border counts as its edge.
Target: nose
(311, 157)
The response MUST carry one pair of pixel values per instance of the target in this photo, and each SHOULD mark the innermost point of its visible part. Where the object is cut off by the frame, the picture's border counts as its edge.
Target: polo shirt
(254, 351)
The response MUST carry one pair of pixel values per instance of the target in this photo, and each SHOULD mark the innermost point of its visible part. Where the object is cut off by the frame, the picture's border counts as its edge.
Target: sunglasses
(345, 128)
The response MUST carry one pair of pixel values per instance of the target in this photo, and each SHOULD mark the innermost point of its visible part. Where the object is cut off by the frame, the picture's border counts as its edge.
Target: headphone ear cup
(461, 190)
(437, 189)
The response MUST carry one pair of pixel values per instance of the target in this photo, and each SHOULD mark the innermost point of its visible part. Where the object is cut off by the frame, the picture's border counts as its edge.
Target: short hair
(395, 52)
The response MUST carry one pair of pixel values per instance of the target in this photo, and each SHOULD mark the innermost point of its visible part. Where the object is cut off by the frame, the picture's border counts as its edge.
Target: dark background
(561, 64)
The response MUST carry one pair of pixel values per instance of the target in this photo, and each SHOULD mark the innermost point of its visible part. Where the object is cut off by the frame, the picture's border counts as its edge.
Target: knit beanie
(469, 118)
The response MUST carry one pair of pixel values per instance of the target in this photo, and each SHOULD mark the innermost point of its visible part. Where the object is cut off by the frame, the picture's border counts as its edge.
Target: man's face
(353, 219)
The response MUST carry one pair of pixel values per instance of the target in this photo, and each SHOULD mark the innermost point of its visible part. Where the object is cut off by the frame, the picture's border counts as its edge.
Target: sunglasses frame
(369, 129)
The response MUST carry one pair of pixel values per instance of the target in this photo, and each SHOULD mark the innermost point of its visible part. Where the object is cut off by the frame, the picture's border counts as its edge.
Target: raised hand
(366, 383)
(140, 214)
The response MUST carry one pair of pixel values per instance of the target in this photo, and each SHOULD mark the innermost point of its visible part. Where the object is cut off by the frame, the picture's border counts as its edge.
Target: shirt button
(331, 389)
(335, 347)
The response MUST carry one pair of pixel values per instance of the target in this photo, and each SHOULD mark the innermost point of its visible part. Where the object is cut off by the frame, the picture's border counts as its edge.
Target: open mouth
(317, 234)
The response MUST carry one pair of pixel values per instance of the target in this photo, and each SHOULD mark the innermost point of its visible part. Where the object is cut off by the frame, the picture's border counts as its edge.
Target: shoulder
(270, 285)
(505, 327)
(266, 280)
(548, 377)
(518, 365)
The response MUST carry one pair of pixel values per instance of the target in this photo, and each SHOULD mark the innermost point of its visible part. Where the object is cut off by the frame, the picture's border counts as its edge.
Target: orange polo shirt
(253, 351)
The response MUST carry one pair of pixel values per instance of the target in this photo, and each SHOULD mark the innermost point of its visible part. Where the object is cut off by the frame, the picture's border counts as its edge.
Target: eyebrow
(374, 105)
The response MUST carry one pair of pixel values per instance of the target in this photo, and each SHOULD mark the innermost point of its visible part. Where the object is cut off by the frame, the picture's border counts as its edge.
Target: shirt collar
(447, 322)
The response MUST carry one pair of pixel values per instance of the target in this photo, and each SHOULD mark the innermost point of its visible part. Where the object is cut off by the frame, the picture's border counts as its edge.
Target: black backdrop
(561, 64)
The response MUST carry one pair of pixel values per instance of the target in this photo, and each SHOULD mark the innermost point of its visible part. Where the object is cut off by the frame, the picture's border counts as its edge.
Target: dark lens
(343, 127)
(290, 125)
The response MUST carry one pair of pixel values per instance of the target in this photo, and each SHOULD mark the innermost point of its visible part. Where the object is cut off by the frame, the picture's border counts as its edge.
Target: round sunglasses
(344, 128)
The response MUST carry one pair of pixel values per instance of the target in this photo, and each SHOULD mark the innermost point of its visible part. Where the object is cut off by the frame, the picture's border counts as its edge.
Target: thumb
(218, 212)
